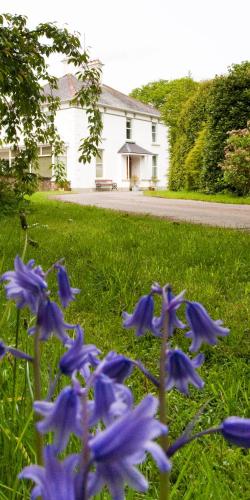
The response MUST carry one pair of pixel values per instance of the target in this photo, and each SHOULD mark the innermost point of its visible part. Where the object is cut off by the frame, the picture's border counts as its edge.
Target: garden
(113, 258)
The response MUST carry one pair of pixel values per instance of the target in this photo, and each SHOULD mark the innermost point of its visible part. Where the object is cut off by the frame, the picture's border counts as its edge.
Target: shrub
(192, 116)
(194, 161)
(236, 165)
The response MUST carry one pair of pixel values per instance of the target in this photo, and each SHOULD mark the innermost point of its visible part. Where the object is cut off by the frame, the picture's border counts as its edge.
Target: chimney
(96, 64)
(68, 68)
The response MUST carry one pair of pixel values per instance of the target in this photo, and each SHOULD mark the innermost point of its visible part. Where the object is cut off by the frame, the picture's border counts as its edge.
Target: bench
(105, 184)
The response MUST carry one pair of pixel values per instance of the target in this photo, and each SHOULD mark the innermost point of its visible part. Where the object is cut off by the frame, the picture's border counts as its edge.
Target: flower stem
(85, 448)
(37, 393)
(164, 476)
(15, 361)
(183, 440)
(25, 244)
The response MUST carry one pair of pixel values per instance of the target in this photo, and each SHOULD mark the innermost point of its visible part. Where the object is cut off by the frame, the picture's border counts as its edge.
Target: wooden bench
(105, 184)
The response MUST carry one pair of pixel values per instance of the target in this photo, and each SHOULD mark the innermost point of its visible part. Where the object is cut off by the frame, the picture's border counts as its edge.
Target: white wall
(72, 126)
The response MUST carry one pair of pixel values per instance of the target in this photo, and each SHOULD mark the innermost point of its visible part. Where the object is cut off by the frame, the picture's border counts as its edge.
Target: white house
(134, 140)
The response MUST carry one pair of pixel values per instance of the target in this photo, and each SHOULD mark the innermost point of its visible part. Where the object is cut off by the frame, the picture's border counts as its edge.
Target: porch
(136, 166)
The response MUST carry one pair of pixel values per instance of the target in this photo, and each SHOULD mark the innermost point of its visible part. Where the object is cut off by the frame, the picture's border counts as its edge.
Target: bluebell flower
(50, 320)
(142, 317)
(65, 292)
(3, 349)
(170, 304)
(56, 480)
(15, 352)
(181, 371)
(117, 367)
(78, 356)
(26, 284)
(203, 328)
(62, 417)
(119, 448)
(111, 400)
(236, 430)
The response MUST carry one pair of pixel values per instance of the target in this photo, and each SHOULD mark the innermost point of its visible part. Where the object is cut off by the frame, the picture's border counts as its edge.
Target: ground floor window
(5, 161)
(99, 164)
(7, 158)
(44, 161)
(154, 165)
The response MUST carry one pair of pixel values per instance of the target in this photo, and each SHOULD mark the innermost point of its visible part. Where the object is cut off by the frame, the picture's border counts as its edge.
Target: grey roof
(133, 149)
(68, 85)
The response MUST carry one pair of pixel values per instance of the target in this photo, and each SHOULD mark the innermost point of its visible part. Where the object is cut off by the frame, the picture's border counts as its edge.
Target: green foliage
(236, 165)
(228, 109)
(178, 92)
(199, 116)
(154, 93)
(27, 116)
(192, 117)
(225, 197)
(194, 161)
(176, 174)
(60, 176)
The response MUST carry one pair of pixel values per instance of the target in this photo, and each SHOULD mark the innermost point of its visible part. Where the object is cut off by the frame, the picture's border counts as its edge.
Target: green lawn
(114, 257)
(194, 195)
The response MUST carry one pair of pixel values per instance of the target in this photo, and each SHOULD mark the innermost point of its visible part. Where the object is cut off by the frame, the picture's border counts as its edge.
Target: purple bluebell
(63, 417)
(181, 370)
(111, 400)
(170, 304)
(120, 447)
(236, 430)
(15, 352)
(117, 367)
(26, 284)
(3, 349)
(56, 480)
(78, 355)
(203, 328)
(142, 317)
(50, 320)
(65, 292)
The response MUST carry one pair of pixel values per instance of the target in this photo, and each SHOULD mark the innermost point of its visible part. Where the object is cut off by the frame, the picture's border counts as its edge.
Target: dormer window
(128, 129)
(154, 132)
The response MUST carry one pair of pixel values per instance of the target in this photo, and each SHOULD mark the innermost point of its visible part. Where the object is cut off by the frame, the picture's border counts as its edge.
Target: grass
(114, 257)
(194, 195)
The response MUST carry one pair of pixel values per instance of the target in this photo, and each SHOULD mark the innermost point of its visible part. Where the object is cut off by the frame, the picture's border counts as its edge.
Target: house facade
(133, 150)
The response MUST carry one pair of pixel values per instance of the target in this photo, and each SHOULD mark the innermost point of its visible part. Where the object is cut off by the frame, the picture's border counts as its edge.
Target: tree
(228, 109)
(24, 118)
(154, 93)
(191, 119)
(179, 91)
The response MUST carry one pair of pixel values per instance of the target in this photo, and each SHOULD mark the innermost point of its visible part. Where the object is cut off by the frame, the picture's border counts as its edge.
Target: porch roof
(131, 148)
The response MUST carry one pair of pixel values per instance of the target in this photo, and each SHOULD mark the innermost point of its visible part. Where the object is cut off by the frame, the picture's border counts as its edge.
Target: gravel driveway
(198, 212)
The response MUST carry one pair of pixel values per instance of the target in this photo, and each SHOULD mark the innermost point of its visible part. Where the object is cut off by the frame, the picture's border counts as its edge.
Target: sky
(140, 41)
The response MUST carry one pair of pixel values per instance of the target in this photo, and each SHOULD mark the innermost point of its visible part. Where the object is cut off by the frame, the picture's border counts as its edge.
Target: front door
(133, 170)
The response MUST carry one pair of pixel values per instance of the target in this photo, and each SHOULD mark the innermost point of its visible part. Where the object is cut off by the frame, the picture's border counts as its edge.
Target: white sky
(144, 40)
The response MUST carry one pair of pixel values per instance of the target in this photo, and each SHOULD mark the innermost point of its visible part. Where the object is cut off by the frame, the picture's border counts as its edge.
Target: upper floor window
(128, 128)
(154, 132)
(99, 164)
